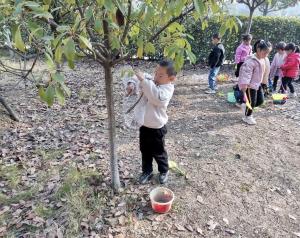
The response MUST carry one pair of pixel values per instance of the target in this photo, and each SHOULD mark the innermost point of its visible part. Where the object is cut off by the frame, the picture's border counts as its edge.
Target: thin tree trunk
(265, 9)
(8, 109)
(115, 178)
(250, 21)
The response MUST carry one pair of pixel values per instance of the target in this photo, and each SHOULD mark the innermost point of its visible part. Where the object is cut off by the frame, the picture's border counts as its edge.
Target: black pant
(255, 97)
(287, 82)
(275, 81)
(238, 67)
(152, 145)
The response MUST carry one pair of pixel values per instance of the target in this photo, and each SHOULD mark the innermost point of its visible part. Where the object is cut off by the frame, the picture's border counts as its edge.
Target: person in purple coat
(242, 52)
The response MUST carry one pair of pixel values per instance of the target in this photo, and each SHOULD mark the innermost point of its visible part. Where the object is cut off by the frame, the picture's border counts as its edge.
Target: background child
(290, 68)
(151, 113)
(298, 51)
(215, 60)
(250, 79)
(278, 60)
(242, 52)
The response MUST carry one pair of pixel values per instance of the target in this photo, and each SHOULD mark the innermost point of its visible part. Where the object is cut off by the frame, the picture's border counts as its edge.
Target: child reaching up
(278, 60)
(251, 76)
(290, 68)
(151, 113)
(242, 52)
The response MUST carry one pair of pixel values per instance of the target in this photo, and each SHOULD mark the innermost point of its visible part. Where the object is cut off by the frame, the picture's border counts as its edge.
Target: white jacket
(151, 111)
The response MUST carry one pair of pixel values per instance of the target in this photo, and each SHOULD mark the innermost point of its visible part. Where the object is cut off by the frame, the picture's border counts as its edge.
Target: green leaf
(108, 4)
(115, 43)
(98, 25)
(179, 61)
(18, 40)
(100, 3)
(140, 51)
(88, 13)
(49, 95)
(149, 48)
(49, 62)
(200, 6)
(86, 42)
(69, 51)
(58, 54)
(60, 95)
(42, 93)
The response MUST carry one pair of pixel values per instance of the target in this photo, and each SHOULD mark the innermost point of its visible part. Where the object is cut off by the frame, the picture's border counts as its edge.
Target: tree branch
(127, 22)
(170, 22)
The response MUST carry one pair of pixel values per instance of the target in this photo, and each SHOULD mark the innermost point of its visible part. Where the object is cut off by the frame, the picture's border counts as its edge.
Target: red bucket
(161, 199)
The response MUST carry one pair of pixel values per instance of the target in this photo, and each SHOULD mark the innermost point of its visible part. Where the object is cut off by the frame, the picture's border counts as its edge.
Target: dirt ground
(242, 181)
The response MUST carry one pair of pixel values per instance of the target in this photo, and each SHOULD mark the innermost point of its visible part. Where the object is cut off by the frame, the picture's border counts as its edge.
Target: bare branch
(127, 22)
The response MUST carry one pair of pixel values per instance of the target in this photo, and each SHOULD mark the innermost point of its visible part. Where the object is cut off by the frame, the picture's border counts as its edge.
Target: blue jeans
(212, 77)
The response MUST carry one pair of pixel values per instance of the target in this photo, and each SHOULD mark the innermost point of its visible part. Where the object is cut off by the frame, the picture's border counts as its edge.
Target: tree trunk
(250, 20)
(266, 9)
(115, 178)
(8, 109)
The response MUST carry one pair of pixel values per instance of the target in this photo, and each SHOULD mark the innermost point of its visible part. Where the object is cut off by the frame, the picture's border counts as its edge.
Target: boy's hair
(281, 45)
(262, 45)
(216, 36)
(297, 49)
(246, 37)
(290, 46)
(168, 64)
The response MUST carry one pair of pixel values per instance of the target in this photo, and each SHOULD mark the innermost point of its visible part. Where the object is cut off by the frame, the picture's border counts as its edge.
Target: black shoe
(145, 177)
(163, 177)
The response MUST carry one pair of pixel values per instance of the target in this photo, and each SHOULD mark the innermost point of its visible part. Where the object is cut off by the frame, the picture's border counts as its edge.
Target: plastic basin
(161, 199)
(279, 97)
(231, 97)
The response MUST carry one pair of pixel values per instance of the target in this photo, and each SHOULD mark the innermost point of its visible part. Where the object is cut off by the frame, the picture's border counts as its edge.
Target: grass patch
(12, 174)
(50, 154)
(24, 195)
(80, 196)
(42, 211)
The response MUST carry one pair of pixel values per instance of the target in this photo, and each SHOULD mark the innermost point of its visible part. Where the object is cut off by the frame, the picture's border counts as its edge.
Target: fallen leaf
(292, 217)
(200, 199)
(296, 234)
(212, 225)
(189, 228)
(199, 230)
(160, 218)
(226, 221)
(3, 210)
(180, 227)
(232, 232)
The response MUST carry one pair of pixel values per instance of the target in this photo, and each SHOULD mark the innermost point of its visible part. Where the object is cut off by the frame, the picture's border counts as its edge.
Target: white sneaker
(249, 120)
(210, 91)
(293, 95)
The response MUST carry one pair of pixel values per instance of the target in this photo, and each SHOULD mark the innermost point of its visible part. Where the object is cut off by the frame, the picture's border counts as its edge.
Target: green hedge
(274, 29)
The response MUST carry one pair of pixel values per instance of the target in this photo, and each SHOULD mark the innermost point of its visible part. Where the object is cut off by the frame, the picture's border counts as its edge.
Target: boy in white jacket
(151, 113)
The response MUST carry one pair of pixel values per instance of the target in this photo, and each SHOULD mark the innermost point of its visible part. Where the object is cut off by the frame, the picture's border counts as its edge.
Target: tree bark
(115, 178)
(8, 109)
(250, 20)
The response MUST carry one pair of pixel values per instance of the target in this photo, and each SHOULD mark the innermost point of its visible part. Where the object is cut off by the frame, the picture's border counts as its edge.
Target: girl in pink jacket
(278, 60)
(242, 52)
(251, 76)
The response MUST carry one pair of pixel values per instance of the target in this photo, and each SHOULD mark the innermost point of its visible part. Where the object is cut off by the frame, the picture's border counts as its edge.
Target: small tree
(106, 31)
(276, 5)
(252, 5)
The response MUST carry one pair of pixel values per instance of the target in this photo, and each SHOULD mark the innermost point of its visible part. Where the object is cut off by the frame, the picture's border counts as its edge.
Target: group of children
(255, 76)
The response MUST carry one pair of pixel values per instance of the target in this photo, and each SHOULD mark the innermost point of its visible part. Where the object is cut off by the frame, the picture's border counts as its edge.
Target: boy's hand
(130, 89)
(139, 75)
